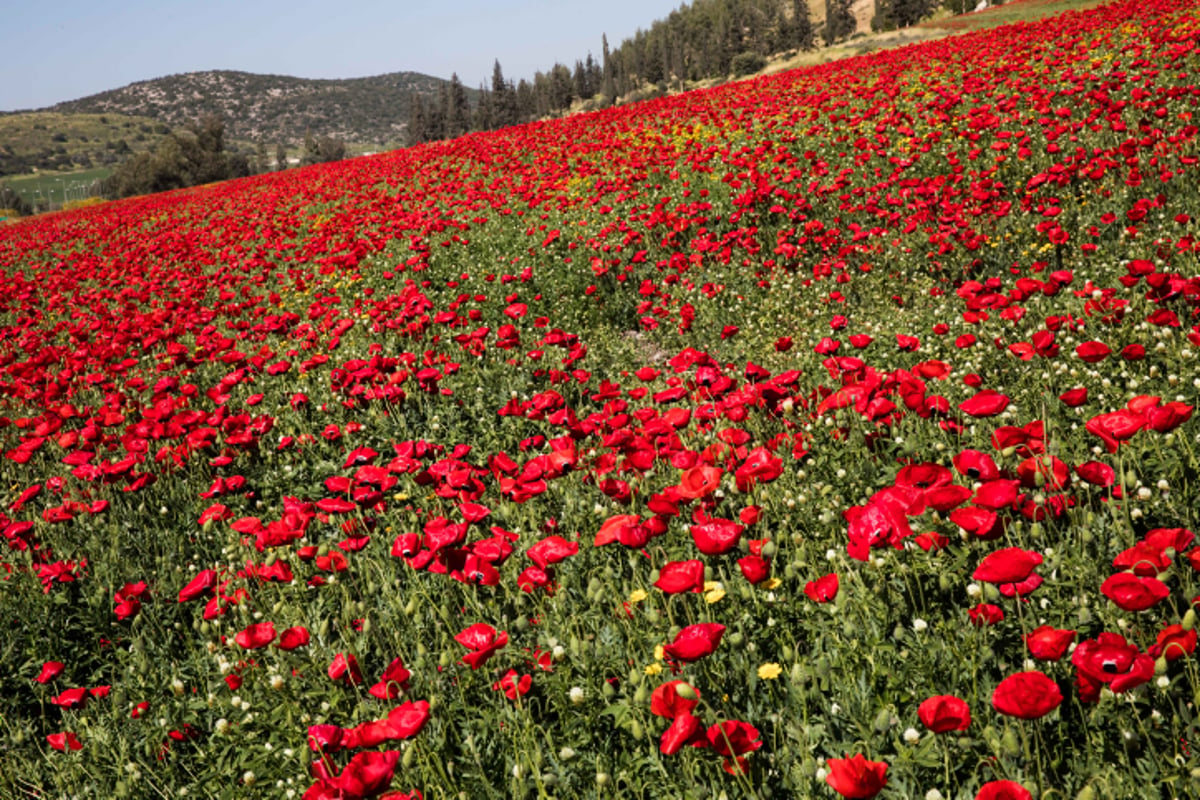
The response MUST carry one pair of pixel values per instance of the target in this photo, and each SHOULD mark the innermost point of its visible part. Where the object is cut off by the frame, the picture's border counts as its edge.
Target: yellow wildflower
(769, 672)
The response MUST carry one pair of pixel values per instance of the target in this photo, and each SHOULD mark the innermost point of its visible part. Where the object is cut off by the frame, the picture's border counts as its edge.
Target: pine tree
(281, 157)
(839, 22)
(418, 120)
(609, 81)
(909, 12)
(456, 111)
(504, 99)
(801, 27)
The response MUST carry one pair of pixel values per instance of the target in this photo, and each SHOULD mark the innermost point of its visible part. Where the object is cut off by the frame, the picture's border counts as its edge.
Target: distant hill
(273, 108)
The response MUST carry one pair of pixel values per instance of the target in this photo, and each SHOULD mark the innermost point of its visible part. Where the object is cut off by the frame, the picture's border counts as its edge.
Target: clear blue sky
(66, 49)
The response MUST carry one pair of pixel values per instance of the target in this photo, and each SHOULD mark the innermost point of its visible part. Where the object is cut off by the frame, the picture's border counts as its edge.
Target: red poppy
(1049, 644)
(407, 719)
(684, 729)
(666, 700)
(986, 403)
(760, 466)
(71, 698)
(755, 569)
(732, 739)
(1115, 427)
(255, 636)
(976, 465)
(367, 774)
(50, 671)
(855, 777)
(1097, 474)
(393, 681)
(1003, 790)
(64, 741)
(695, 642)
(1074, 398)
(1008, 565)
(324, 738)
(513, 685)
(1168, 416)
(1173, 643)
(681, 576)
(1109, 660)
(1027, 695)
(716, 536)
(699, 481)
(344, 669)
(823, 589)
(618, 528)
(985, 614)
(1132, 592)
(293, 638)
(483, 641)
(199, 586)
(1093, 352)
(943, 713)
(551, 550)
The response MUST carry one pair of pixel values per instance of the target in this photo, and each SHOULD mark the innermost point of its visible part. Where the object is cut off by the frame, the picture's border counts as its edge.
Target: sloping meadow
(828, 434)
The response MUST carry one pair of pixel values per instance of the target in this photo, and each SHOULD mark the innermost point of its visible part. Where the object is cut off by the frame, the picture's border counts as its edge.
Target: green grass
(1009, 13)
(57, 187)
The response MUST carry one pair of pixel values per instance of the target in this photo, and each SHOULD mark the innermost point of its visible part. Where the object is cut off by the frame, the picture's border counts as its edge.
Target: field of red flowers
(828, 434)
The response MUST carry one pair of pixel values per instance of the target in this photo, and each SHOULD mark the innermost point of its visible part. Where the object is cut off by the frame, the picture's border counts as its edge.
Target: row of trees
(197, 155)
(184, 158)
(707, 39)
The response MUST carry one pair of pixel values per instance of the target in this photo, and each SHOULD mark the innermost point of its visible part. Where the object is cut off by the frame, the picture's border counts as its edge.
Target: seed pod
(641, 695)
(1086, 793)
(798, 677)
(686, 691)
(786, 652)
(607, 690)
(1189, 619)
(410, 608)
(883, 721)
(366, 625)
(769, 550)
(1010, 745)
(636, 729)
(409, 756)
(944, 582)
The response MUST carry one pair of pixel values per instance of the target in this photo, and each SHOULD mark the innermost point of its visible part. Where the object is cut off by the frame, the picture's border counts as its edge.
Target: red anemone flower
(856, 778)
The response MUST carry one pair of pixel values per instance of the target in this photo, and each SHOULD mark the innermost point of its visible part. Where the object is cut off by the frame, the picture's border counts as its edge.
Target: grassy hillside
(58, 141)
